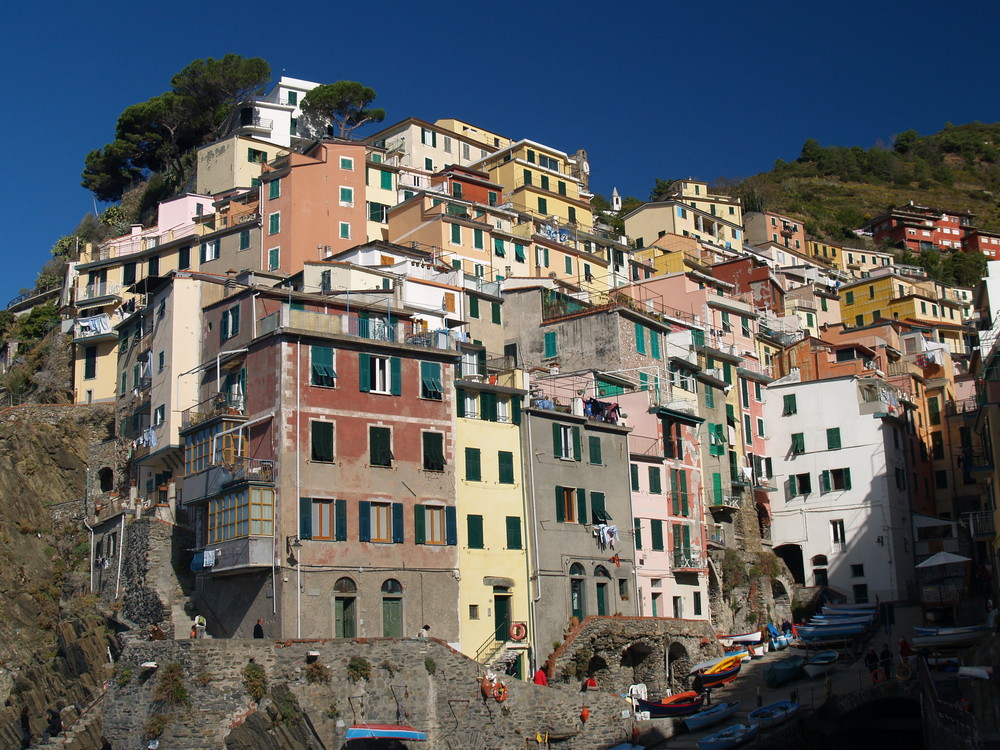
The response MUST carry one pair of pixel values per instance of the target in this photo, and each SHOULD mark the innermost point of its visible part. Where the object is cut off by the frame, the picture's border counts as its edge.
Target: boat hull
(730, 737)
(708, 717)
(681, 704)
(773, 714)
(821, 663)
(782, 672)
(708, 680)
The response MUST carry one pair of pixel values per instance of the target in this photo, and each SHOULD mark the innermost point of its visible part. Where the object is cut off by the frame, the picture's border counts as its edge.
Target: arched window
(819, 560)
(819, 571)
(576, 570)
(601, 572)
(345, 608)
(392, 608)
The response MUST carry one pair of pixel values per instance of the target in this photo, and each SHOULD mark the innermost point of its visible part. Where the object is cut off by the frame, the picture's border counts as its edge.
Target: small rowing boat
(730, 737)
(710, 716)
(773, 713)
(681, 704)
(821, 663)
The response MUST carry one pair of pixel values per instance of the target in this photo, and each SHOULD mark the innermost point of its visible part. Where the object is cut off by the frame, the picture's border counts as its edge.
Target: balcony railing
(33, 293)
(260, 123)
(965, 406)
(688, 559)
(724, 501)
(981, 523)
(372, 328)
(96, 291)
(221, 404)
(92, 327)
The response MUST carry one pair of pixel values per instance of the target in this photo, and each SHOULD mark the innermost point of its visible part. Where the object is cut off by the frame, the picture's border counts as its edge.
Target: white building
(274, 118)
(842, 513)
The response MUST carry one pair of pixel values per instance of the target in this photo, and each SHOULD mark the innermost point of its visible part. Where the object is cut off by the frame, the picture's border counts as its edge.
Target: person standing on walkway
(905, 651)
(871, 661)
(885, 661)
(199, 625)
(258, 629)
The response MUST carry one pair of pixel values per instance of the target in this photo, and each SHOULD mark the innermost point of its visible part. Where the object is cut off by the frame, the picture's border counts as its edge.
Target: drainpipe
(534, 546)
(121, 549)
(298, 480)
(86, 497)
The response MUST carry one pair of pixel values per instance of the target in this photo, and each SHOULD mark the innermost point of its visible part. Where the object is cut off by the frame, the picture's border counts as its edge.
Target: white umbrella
(942, 558)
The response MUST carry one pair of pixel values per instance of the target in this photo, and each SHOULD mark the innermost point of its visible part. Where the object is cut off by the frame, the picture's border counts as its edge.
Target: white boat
(729, 640)
(820, 663)
(943, 640)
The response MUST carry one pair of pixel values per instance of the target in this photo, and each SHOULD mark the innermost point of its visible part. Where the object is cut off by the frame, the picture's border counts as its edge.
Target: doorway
(501, 612)
(344, 609)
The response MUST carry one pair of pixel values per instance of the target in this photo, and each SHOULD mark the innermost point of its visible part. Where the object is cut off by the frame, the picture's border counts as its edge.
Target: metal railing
(256, 122)
(980, 523)
(688, 558)
(965, 406)
(252, 470)
(94, 291)
(33, 293)
(372, 328)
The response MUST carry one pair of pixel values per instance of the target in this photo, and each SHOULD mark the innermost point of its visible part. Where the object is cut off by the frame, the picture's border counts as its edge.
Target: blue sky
(649, 89)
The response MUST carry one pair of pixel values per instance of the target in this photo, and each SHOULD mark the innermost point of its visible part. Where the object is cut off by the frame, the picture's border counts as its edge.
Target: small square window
(346, 196)
(345, 230)
(346, 162)
(473, 611)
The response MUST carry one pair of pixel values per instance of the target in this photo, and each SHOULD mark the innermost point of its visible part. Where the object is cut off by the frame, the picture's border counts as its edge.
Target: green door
(344, 619)
(392, 618)
(576, 597)
(602, 598)
(501, 616)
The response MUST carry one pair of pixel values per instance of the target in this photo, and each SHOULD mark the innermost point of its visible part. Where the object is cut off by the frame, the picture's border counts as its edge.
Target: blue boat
(773, 713)
(782, 672)
(829, 632)
(385, 732)
(821, 663)
(710, 716)
(731, 736)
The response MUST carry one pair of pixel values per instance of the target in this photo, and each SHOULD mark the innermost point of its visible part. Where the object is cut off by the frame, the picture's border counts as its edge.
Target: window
(551, 349)
(244, 239)
(571, 505)
(566, 441)
(274, 189)
(158, 415)
(345, 230)
(273, 258)
(274, 223)
(655, 486)
(837, 532)
(90, 362)
(716, 440)
(640, 338)
(833, 438)
(934, 410)
(673, 444)
(857, 571)
(635, 477)
(255, 156)
(430, 524)
(789, 405)
(473, 465)
(513, 532)
(941, 480)
(709, 397)
(543, 206)
(430, 381)
(322, 372)
(937, 445)
(798, 442)
(594, 443)
(346, 196)
(760, 427)
(433, 451)
(347, 163)
(321, 440)
(184, 258)
(860, 592)
(380, 522)
(656, 534)
(328, 519)
(799, 484)
(496, 314)
(474, 531)
(379, 374)
(835, 480)
(229, 325)
(246, 512)
(568, 262)
(209, 251)
(505, 461)
(379, 446)
(849, 298)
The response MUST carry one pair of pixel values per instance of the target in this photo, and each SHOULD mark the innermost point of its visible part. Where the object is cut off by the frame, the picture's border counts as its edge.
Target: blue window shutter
(364, 521)
(396, 377)
(581, 505)
(305, 518)
(397, 523)
(560, 509)
(451, 525)
(340, 520)
(364, 372)
(419, 525)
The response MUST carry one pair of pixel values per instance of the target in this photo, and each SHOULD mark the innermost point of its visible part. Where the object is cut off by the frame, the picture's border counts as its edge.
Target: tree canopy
(153, 136)
(344, 104)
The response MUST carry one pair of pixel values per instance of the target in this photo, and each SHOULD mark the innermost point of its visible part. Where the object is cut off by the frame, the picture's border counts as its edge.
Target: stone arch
(106, 479)
(791, 554)
(643, 662)
(678, 662)
(778, 591)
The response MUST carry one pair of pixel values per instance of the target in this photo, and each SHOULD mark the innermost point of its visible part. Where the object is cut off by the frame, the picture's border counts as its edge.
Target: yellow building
(232, 163)
(832, 255)
(493, 539)
(677, 215)
(539, 181)
(891, 296)
(696, 195)
(381, 194)
(675, 253)
(859, 262)
(485, 138)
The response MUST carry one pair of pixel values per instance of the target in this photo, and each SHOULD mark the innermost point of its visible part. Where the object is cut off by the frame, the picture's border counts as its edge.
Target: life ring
(500, 692)
(878, 676)
(518, 632)
(903, 672)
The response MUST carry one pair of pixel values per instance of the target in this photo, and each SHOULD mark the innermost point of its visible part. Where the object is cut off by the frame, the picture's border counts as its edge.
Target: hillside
(834, 190)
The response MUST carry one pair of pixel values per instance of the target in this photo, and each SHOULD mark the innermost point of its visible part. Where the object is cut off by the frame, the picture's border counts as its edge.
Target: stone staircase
(181, 616)
(83, 731)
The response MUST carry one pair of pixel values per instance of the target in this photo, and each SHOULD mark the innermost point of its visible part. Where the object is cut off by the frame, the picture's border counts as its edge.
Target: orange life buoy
(518, 632)
(878, 676)
(500, 692)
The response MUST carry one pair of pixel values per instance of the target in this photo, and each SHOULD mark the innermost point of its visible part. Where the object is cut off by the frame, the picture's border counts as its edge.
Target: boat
(700, 667)
(681, 704)
(941, 631)
(710, 716)
(821, 663)
(720, 674)
(773, 713)
(751, 637)
(759, 649)
(839, 620)
(982, 673)
(946, 639)
(784, 671)
(731, 736)
(829, 632)
(385, 732)
(778, 639)
(844, 605)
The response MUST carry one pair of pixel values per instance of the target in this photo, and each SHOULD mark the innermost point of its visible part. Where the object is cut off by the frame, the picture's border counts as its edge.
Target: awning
(678, 416)
(385, 732)
(943, 558)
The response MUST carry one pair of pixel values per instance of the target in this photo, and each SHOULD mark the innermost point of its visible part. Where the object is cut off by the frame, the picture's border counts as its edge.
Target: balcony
(981, 524)
(724, 502)
(30, 299)
(92, 328)
(255, 124)
(103, 292)
(234, 555)
(968, 406)
(221, 404)
(219, 477)
(688, 559)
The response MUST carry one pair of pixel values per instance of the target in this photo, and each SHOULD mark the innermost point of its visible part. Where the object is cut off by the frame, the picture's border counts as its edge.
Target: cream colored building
(233, 162)
(651, 221)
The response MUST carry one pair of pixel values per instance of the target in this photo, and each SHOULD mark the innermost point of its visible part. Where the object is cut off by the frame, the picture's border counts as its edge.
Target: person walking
(871, 661)
(885, 661)
(199, 625)
(258, 629)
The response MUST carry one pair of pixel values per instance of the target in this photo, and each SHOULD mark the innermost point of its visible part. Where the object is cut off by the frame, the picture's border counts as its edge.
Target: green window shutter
(488, 406)
(635, 477)
(550, 344)
(456, 234)
(576, 443)
(473, 469)
(474, 528)
(419, 525)
(709, 397)
(675, 496)
(364, 521)
(727, 372)
(656, 529)
(640, 338)
(519, 253)
(460, 402)
(745, 391)
(473, 307)
(730, 412)
(684, 491)
(594, 443)
(543, 206)
(477, 239)
(824, 481)
(789, 405)
(717, 488)
(833, 438)
(569, 264)
(340, 520)
(450, 526)
(545, 257)
(322, 441)
(581, 505)
(385, 179)
(397, 523)
(513, 532)
(305, 518)
(274, 189)
(364, 372)
(560, 508)
(597, 508)
(505, 460)
(677, 537)
(556, 440)
(793, 485)
(798, 442)
(655, 487)
(637, 529)
(395, 376)
(515, 409)
(654, 344)
(686, 531)
(847, 478)
(496, 313)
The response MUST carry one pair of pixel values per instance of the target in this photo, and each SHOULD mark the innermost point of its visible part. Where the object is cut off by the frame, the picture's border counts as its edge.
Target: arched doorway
(106, 477)
(344, 610)
(792, 556)
(603, 587)
(819, 564)
(640, 664)
(392, 608)
(677, 663)
(577, 584)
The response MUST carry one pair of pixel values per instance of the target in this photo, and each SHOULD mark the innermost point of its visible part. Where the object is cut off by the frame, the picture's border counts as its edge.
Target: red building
(917, 228)
(754, 278)
(469, 184)
(987, 243)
